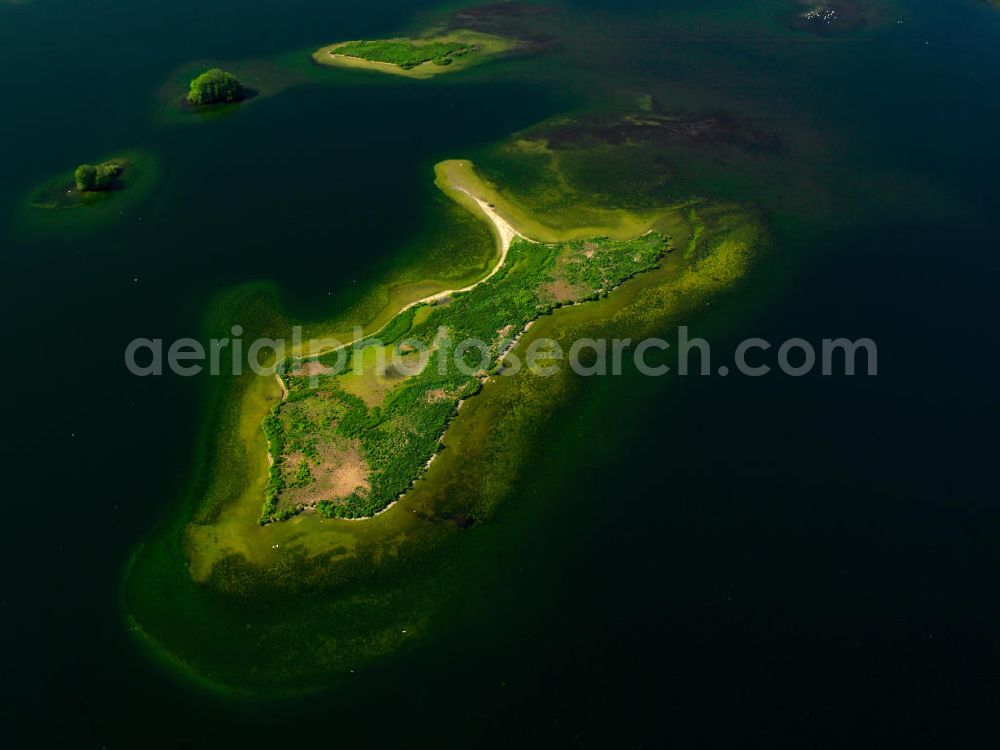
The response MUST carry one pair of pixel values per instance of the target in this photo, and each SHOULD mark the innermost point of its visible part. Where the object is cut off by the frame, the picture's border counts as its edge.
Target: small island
(215, 86)
(102, 177)
(87, 185)
(89, 197)
(418, 57)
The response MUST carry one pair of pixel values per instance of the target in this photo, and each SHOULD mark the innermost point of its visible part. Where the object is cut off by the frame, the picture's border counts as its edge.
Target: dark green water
(808, 561)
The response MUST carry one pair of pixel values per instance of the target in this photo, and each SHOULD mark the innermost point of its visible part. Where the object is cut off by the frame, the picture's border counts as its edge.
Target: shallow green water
(689, 558)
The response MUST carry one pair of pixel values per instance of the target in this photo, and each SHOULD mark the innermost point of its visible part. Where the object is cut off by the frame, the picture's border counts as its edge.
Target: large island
(360, 424)
(279, 509)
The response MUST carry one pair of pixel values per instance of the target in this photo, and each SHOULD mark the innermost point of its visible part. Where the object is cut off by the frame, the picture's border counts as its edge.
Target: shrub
(91, 178)
(215, 86)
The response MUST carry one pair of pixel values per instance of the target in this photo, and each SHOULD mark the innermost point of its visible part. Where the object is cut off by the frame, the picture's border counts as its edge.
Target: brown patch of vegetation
(436, 394)
(713, 129)
(339, 471)
(312, 367)
(293, 461)
(511, 21)
(562, 291)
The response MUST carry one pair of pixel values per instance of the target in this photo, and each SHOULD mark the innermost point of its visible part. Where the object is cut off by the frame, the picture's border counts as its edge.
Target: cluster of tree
(90, 177)
(215, 86)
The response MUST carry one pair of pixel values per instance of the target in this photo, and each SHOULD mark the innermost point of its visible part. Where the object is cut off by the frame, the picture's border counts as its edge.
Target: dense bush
(215, 86)
(104, 176)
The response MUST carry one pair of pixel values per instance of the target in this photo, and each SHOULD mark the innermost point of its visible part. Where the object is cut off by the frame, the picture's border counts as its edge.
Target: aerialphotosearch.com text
(587, 357)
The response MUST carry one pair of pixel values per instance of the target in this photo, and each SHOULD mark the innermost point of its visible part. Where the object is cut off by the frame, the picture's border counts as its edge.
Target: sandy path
(506, 233)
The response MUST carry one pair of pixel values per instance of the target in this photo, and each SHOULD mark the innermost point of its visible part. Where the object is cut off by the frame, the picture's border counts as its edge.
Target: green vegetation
(215, 86)
(404, 53)
(418, 57)
(399, 428)
(697, 229)
(90, 178)
(90, 197)
(398, 327)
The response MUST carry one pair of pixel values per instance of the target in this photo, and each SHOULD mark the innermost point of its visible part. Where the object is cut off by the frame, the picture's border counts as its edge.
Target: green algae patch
(60, 206)
(314, 598)
(416, 57)
(458, 178)
(697, 229)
